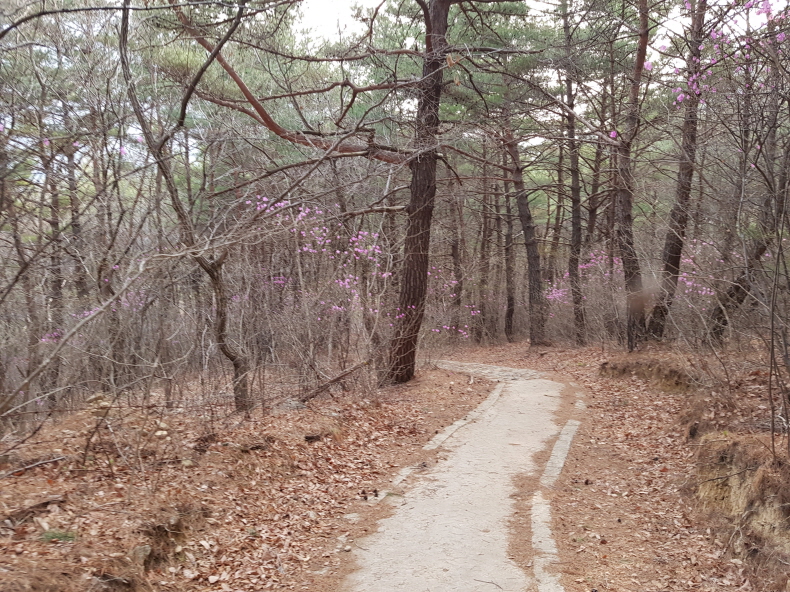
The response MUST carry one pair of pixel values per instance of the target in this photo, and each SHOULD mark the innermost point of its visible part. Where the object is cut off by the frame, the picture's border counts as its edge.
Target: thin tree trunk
(635, 298)
(538, 307)
(240, 361)
(492, 322)
(576, 198)
(679, 216)
(212, 267)
(456, 253)
(594, 200)
(483, 294)
(78, 240)
(559, 215)
(510, 263)
(773, 207)
(33, 321)
(78, 248)
(697, 228)
(51, 376)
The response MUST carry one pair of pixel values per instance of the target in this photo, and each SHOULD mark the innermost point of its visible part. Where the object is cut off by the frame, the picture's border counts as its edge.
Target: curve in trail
(450, 531)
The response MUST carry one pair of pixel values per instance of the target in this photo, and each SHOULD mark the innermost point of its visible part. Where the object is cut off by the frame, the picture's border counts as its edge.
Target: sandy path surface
(450, 531)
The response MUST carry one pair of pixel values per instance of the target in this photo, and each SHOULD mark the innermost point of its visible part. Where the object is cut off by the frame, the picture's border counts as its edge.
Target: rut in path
(450, 531)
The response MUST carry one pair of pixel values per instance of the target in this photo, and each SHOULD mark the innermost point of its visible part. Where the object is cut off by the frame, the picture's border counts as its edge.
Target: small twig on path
(39, 463)
(485, 582)
(358, 547)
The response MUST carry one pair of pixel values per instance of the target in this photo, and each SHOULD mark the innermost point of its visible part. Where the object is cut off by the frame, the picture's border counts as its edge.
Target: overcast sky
(322, 16)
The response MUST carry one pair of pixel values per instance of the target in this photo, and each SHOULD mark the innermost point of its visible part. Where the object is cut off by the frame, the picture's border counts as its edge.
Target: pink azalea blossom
(613, 134)
(648, 66)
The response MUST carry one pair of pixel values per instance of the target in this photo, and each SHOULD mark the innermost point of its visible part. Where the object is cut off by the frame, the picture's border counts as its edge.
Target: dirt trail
(450, 531)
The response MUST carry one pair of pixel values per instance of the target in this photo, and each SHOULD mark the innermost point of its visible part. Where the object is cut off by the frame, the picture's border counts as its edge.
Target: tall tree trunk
(574, 275)
(510, 266)
(576, 194)
(697, 218)
(492, 321)
(55, 305)
(679, 216)
(772, 208)
(538, 307)
(78, 240)
(80, 275)
(456, 253)
(414, 281)
(483, 293)
(635, 298)
(559, 219)
(614, 325)
(594, 200)
(33, 322)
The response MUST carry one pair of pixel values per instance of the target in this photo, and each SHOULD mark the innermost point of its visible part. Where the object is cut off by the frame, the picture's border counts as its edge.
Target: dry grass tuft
(665, 372)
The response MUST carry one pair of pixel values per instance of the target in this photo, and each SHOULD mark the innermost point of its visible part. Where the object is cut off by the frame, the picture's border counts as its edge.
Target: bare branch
(379, 210)
(43, 13)
(371, 151)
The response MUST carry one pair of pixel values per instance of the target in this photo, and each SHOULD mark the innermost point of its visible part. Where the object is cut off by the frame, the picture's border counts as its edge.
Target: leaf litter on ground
(168, 504)
(276, 501)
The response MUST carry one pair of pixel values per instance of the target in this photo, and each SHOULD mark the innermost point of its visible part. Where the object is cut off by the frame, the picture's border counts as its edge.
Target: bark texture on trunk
(574, 258)
(456, 253)
(550, 267)
(635, 297)
(679, 216)
(80, 275)
(483, 292)
(538, 307)
(594, 199)
(414, 275)
(51, 376)
(240, 362)
(510, 266)
(4, 173)
(510, 262)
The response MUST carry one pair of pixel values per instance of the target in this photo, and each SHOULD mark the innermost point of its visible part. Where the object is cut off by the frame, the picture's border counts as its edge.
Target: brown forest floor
(625, 514)
(255, 505)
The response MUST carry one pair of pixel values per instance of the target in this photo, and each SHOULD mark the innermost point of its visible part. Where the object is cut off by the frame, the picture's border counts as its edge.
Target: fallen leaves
(629, 521)
(254, 506)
